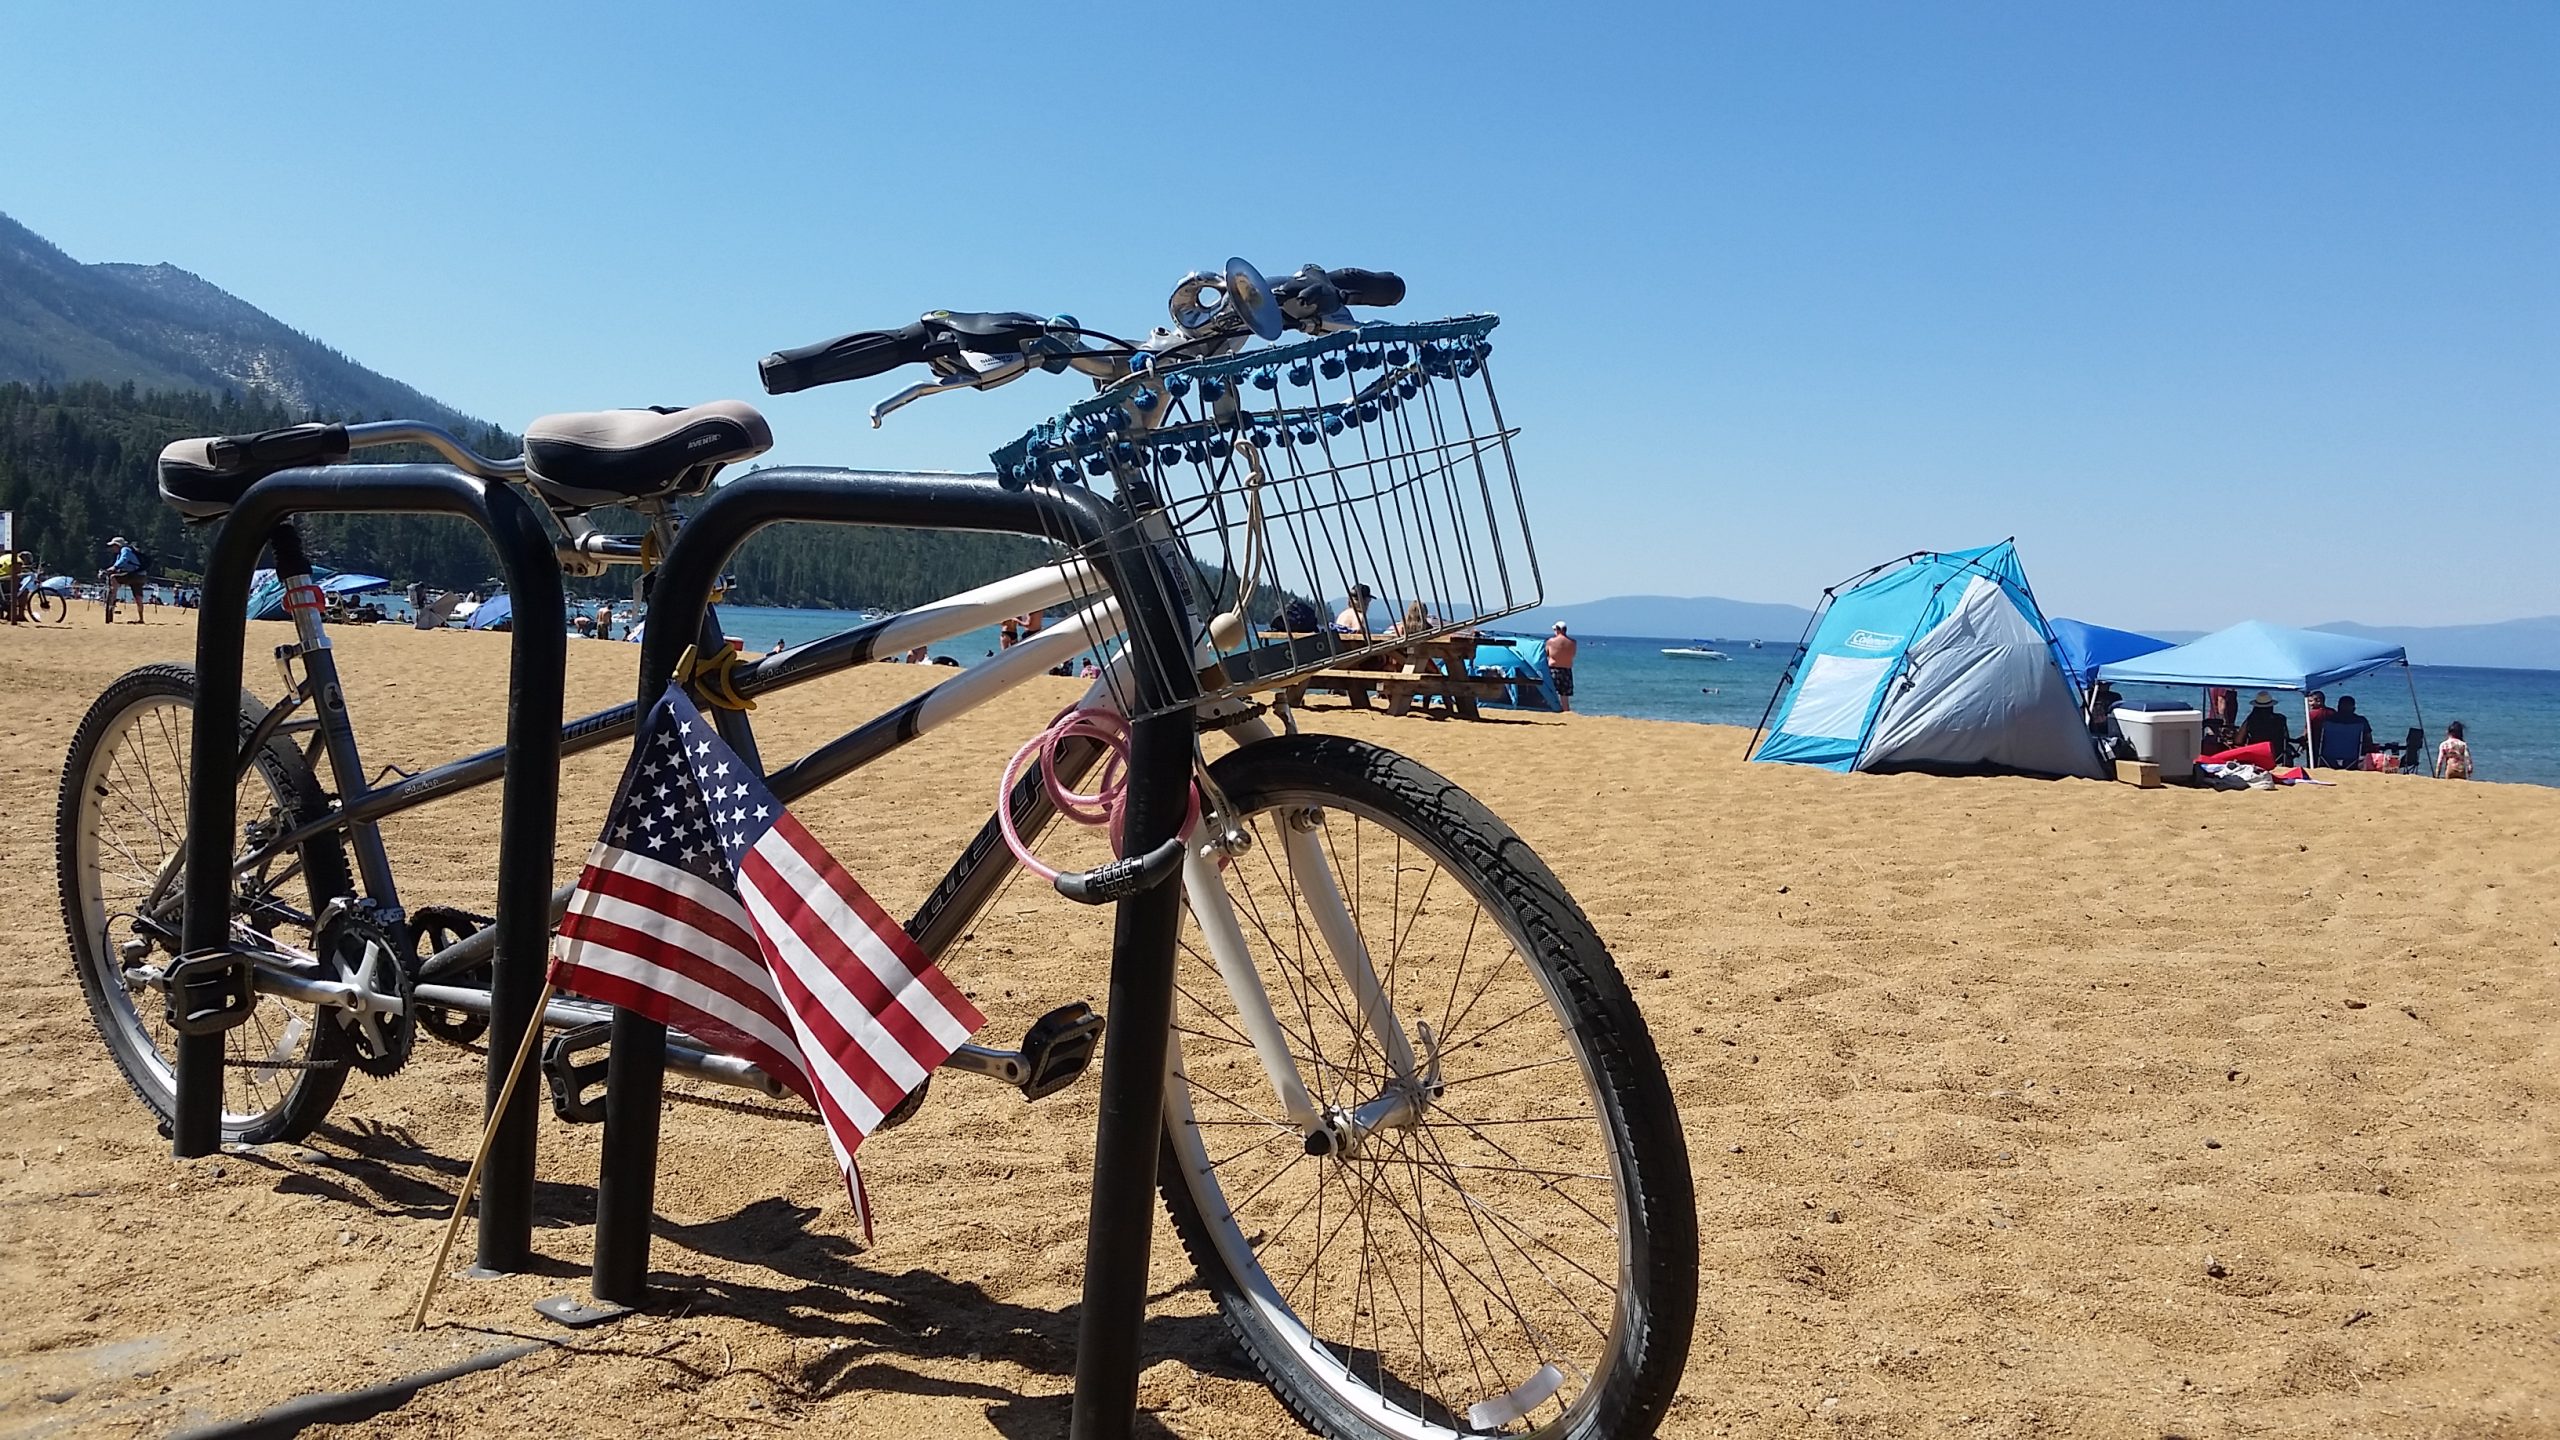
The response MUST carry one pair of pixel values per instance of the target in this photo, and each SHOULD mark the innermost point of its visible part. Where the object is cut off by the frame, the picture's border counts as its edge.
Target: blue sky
(2224, 311)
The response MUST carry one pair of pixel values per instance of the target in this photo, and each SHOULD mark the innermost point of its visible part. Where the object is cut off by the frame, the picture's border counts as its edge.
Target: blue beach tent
(1935, 661)
(1513, 657)
(2085, 647)
(495, 612)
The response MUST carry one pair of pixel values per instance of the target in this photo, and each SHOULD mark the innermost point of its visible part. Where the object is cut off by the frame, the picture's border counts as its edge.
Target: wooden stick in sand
(488, 1137)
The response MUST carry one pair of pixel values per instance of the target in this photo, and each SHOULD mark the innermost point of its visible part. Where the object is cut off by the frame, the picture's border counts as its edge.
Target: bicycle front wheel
(1516, 1251)
(120, 836)
(49, 608)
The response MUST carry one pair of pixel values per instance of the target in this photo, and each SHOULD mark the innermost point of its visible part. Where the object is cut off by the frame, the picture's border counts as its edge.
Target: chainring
(372, 949)
(433, 928)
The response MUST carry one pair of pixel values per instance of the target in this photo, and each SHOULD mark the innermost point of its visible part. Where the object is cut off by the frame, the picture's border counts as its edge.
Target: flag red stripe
(897, 987)
(832, 1035)
(848, 968)
(721, 1031)
(674, 904)
(655, 1004)
(672, 955)
(892, 934)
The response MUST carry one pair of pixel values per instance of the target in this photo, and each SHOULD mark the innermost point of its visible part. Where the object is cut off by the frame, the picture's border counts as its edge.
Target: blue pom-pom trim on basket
(1084, 436)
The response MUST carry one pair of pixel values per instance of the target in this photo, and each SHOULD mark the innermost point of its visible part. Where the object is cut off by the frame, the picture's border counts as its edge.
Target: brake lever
(985, 372)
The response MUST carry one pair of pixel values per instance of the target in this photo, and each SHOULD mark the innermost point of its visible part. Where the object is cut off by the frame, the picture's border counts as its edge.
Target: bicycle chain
(454, 1027)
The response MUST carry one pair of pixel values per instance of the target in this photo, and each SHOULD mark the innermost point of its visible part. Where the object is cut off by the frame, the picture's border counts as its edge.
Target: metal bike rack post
(538, 655)
(1136, 1038)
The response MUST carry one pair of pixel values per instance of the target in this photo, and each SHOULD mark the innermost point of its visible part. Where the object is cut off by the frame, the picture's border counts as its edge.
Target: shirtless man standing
(1560, 652)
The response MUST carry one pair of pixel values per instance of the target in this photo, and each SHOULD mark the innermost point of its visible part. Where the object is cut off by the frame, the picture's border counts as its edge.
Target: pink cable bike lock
(1106, 806)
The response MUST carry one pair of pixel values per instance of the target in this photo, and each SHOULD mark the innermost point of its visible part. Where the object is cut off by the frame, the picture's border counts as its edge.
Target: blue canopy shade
(2254, 655)
(493, 612)
(2085, 647)
(351, 584)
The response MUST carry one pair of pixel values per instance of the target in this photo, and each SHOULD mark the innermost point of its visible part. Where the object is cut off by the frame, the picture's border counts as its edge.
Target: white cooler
(2168, 735)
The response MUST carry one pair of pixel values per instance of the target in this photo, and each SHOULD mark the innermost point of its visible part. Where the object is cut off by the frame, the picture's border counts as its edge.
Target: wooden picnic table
(1424, 670)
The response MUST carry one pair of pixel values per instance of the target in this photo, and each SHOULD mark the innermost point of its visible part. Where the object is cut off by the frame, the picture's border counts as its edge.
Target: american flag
(708, 908)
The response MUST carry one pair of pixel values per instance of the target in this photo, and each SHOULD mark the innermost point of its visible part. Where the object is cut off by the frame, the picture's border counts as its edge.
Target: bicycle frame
(966, 887)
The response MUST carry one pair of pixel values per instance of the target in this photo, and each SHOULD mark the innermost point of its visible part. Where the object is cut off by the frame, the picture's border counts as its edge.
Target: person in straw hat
(2266, 723)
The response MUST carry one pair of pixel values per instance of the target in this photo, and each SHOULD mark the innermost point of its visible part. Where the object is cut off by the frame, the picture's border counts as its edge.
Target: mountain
(163, 328)
(2530, 644)
(101, 365)
(1671, 617)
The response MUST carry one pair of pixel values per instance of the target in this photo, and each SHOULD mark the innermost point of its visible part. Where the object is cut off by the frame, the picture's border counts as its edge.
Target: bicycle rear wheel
(120, 835)
(1518, 1254)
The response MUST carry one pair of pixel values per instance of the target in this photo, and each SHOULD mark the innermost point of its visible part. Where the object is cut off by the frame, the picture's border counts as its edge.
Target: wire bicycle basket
(1367, 471)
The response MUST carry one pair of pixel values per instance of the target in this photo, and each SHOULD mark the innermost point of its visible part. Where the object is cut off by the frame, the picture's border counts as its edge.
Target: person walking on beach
(1561, 648)
(9, 570)
(125, 567)
(2453, 757)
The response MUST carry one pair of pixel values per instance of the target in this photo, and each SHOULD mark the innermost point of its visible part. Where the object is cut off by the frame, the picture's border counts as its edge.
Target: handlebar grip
(278, 449)
(857, 356)
(1378, 288)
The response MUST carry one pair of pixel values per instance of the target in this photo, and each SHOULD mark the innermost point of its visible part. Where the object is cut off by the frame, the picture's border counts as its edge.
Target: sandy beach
(1976, 1075)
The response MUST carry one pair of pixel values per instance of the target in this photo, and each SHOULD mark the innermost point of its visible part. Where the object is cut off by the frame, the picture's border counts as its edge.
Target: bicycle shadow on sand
(888, 1323)
(883, 1318)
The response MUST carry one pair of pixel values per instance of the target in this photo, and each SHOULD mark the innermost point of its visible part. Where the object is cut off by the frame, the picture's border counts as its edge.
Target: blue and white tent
(1935, 661)
(1520, 660)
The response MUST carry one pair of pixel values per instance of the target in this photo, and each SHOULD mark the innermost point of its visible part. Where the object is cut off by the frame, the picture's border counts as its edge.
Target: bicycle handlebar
(1375, 288)
(857, 356)
(1313, 300)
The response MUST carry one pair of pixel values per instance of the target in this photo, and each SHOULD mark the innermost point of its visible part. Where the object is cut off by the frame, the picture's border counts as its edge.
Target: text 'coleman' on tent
(1935, 661)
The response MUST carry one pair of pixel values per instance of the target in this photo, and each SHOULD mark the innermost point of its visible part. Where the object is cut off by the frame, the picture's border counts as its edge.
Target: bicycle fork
(1328, 1130)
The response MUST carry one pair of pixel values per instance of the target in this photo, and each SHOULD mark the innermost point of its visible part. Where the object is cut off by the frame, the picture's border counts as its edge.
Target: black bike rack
(530, 802)
(1138, 1026)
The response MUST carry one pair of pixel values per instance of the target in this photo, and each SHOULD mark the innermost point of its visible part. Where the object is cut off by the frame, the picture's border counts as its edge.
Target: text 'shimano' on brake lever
(985, 372)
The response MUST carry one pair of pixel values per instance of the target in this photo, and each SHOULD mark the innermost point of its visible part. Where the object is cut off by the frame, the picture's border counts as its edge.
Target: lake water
(2512, 716)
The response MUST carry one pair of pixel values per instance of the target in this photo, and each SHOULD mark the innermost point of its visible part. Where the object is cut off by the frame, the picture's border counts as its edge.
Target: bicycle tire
(48, 608)
(314, 1057)
(1319, 1376)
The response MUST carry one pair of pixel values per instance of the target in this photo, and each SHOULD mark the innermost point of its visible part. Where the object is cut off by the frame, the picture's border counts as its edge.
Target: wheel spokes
(1446, 1263)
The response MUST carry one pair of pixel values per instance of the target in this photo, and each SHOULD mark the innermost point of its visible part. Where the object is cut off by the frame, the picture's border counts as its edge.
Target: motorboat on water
(1694, 652)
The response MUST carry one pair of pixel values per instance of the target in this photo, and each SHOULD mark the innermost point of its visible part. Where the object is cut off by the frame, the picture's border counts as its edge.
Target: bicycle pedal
(210, 992)
(571, 1078)
(1057, 1048)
